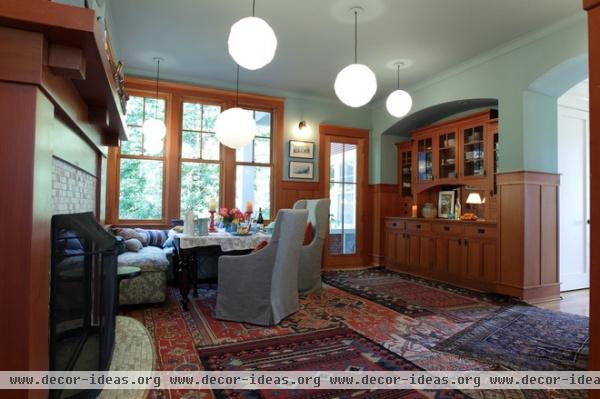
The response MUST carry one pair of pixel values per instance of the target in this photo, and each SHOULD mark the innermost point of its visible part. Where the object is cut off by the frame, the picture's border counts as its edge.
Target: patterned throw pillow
(133, 245)
(156, 238)
(131, 233)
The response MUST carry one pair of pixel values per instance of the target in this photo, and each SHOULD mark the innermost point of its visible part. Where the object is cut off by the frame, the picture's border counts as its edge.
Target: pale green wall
(526, 142)
(316, 112)
(528, 126)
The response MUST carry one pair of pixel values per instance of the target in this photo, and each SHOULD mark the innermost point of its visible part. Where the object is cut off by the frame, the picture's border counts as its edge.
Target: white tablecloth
(226, 241)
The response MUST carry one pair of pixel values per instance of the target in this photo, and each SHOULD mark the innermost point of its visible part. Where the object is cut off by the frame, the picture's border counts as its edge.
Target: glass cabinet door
(406, 173)
(425, 159)
(447, 156)
(473, 155)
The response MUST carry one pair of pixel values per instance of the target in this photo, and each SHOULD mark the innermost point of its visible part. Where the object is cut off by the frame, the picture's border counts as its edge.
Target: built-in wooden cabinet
(405, 176)
(460, 154)
(459, 252)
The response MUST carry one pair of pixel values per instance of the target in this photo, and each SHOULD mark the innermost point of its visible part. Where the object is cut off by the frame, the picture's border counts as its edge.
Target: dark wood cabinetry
(458, 252)
(460, 154)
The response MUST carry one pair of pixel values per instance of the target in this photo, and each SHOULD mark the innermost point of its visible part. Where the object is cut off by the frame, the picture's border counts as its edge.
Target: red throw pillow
(260, 246)
(308, 234)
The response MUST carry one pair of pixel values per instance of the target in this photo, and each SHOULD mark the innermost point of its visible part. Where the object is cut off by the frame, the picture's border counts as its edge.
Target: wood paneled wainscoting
(593, 8)
(384, 201)
(528, 219)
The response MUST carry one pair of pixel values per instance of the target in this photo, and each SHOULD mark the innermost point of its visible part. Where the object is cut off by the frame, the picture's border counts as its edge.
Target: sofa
(155, 262)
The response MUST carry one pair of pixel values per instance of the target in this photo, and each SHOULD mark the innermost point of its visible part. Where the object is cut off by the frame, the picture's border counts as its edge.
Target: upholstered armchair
(309, 270)
(262, 287)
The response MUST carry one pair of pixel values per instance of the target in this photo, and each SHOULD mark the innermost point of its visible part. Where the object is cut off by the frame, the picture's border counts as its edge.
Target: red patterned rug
(417, 297)
(336, 349)
(180, 336)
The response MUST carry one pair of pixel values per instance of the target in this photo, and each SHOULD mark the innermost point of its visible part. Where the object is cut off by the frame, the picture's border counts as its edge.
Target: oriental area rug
(422, 331)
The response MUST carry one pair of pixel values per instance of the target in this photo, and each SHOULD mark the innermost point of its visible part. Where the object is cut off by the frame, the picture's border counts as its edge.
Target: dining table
(192, 251)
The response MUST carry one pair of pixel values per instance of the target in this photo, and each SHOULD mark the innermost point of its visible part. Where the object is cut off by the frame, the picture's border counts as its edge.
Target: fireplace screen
(83, 296)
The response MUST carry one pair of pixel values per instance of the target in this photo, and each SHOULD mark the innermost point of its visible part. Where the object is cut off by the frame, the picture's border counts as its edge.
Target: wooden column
(528, 220)
(593, 8)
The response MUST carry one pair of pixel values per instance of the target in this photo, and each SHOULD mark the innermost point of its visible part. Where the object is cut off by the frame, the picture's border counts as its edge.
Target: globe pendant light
(252, 42)
(399, 102)
(154, 129)
(356, 84)
(235, 127)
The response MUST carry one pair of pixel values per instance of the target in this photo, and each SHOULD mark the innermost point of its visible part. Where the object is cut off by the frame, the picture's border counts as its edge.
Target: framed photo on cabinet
(301, 170)
(302, 149)
(445, 203)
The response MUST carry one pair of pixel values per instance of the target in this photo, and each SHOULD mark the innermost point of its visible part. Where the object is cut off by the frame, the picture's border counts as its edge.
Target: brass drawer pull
(446, 228)
(481, 231)
(418, 226)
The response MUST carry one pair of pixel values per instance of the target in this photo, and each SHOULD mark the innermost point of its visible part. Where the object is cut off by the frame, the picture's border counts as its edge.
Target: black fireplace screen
(83, 295)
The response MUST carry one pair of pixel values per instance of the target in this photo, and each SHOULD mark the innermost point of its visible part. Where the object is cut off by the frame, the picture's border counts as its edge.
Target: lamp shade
(398, 103)
(235, 127)
(474, 198)
(252, 43)
(355, 85)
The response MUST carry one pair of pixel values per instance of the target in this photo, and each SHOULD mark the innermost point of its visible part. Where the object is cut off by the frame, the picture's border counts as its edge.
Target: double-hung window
(200, 157)
(141, 163)
(254, 167)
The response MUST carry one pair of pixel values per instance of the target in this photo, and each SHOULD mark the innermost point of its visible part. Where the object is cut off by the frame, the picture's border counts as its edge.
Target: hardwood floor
(575, 302)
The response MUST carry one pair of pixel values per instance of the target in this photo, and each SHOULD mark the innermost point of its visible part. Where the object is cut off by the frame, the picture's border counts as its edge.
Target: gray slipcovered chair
(262, 287)
(309, 270)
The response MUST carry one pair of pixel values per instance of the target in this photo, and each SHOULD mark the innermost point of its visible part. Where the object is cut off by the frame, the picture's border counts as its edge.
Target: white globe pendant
(235, 127)
(154, 129)
(399, 103)
(355, 85)
(252, 43)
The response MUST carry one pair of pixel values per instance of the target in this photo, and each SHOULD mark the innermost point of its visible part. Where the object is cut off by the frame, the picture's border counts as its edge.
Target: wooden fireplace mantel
(61, 49)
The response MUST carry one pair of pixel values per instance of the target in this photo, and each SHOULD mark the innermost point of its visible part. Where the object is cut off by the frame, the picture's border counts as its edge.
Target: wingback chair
(262, 287)
(309, 271)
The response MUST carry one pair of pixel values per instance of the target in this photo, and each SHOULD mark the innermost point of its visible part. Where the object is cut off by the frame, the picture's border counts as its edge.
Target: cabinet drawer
(394, 224)
(481, 231)
(448, 228)
(418, 226)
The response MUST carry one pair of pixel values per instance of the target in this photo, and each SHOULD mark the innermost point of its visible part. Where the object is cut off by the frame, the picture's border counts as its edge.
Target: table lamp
(474, 199)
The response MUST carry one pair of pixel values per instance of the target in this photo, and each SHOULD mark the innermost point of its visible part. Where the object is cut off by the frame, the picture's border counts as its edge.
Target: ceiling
(316, 37)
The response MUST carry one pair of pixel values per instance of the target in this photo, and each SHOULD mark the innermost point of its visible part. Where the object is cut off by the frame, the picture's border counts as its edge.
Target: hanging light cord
(253, 6)
(237, 88)
(398, 76)
(157, 79)
(355, 37)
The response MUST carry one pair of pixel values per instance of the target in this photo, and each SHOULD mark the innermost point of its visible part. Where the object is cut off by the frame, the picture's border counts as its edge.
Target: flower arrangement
(231, 216)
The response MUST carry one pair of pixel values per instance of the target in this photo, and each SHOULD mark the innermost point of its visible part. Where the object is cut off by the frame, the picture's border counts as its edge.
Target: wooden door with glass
(344, 171)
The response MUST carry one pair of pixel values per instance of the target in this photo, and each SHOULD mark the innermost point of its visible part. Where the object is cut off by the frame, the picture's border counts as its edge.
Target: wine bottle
(260, 219)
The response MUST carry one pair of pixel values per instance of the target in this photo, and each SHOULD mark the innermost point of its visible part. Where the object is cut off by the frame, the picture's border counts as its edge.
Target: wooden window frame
(271, 163)
(181, 160)
(116, 153)
(176, 94)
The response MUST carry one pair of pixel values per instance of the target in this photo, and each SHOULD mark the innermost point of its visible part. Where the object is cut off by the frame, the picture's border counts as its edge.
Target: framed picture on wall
(302, 149)
(445, 203)
(301, 170)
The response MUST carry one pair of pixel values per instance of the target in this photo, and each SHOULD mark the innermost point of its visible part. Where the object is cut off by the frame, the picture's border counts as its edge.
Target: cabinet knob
(418, 226)
(481, 231)
(466, 242)
(446, 228)
(459, 241)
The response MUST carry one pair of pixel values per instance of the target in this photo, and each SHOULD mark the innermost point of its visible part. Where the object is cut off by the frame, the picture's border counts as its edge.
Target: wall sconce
(303, 130)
